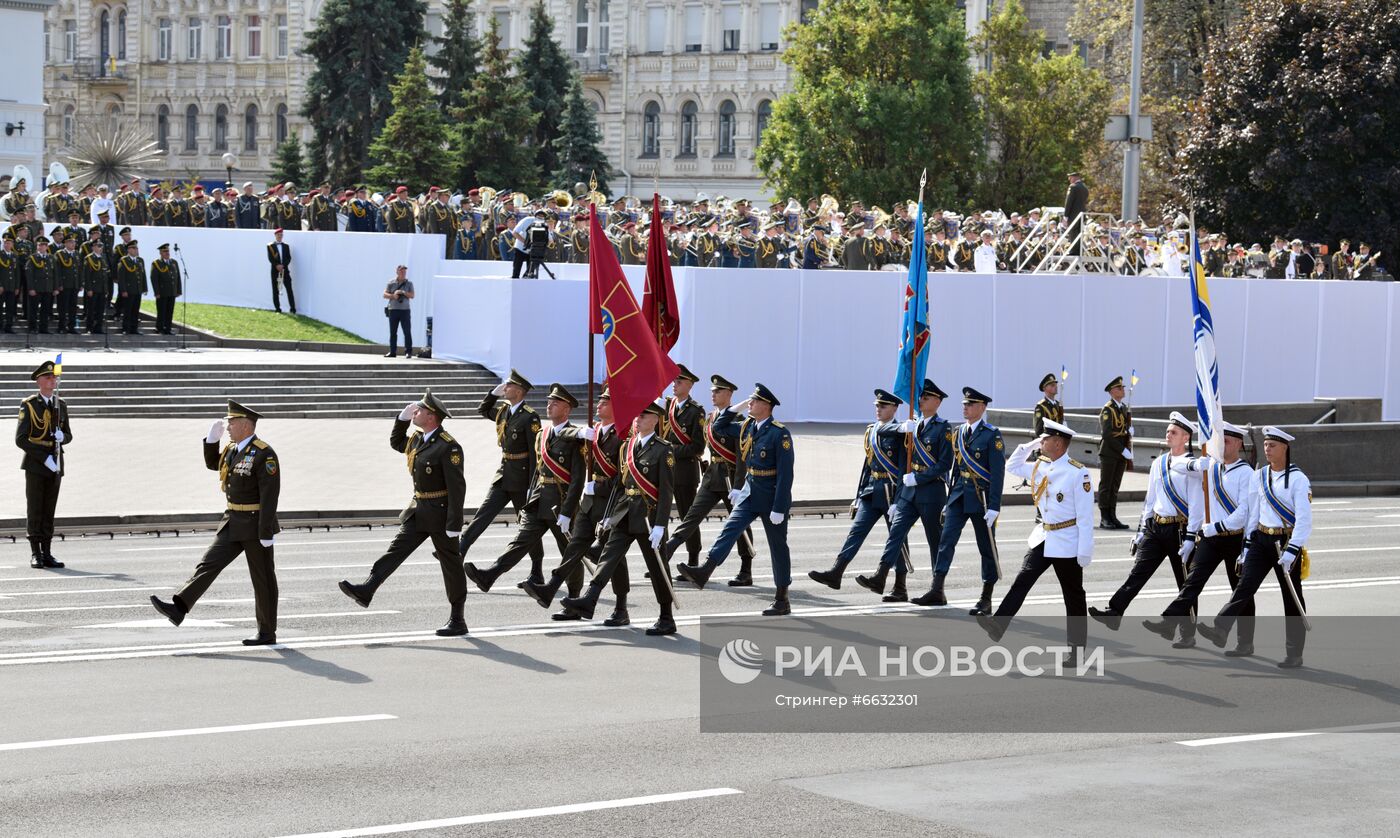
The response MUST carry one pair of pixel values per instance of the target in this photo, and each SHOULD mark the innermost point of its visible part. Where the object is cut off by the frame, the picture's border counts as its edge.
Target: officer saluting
(762, 490)
(1048, 407)
(978, 473)
(439, 488)
(517, 425)
(42, 432)
(251, 479)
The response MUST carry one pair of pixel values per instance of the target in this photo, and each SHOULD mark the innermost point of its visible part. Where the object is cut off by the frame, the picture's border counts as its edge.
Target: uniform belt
(1231, 532)
(967, 475)
(882, 475)
(1164, 520)
(552, 481)
(763, 472)
(429, 495)
(634, 493)
(1060, 526)
(1276, 530)
(244, 507)
(521, 456)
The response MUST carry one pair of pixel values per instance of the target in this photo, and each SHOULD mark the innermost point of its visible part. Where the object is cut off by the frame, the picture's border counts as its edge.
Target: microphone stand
(184, 301)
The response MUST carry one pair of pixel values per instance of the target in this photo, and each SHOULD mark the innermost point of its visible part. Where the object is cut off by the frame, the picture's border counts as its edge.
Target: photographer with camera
(520, 235)
(398, 293)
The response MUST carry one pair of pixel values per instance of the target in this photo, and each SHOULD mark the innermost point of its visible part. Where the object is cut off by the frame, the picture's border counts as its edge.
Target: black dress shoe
(990, 626)
(1107, 616)
(1209, 632)
(260, 639)
(1240, 651)
(50, 561)
(36, 561)
(619, 618)
(779, 608)
(564, 616)
(932, 597)
(356, 592)
(1290, 662)
(455, 628)
(171, 611)
(1165, 628)
(581, 605)
(482, 579)
(897, 595)
(538, 580)
(696, 576)
(388, 354)
(743, 580)
(830, 578)
(661, 627)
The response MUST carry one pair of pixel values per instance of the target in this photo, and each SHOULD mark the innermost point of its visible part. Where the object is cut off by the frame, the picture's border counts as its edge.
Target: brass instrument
(487, 195)
(881, 217)
(520, 199)
(561, 199)
(828, 206)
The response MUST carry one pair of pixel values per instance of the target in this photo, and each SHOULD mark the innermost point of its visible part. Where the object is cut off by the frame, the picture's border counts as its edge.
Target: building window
(194, 39)
(121, 35)
(223, 37)
(730, 35)
(221, 128)
(769, 30)
(104, 40)
(250, 128)
(656, 29)
(192, 128)
(604, 28)
(694, 28)
(808, 7)
(254, 29)
(68, 125)
(689, 117)
(282, 36)
(47, 37)
(70, 40)
(281, 124)
(163, 128)
(503, 26)
(581, 27)
(726, 128)
(165, 39)
(651, 130)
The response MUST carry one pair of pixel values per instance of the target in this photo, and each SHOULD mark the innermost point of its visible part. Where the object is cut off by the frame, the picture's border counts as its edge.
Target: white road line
(193, 731)
(1252, 737)
(310, 616)
(522, 814)
(84, 591)
(49, 577)
(60, 608)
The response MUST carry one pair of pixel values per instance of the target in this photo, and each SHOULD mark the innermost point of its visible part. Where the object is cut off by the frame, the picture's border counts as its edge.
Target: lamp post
(230, 163)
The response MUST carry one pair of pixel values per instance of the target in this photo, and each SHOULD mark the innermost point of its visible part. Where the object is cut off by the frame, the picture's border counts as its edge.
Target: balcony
(593, 67)
(99, 71)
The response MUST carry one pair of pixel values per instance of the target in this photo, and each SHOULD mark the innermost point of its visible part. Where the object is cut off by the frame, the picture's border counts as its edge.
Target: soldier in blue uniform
(979, 467)
(762, 490)
(814, 249)
(922, 494)
(879, 478)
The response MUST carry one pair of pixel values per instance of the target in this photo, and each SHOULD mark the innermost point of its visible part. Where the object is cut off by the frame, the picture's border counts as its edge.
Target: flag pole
(913, 356)
(1195, 248)
(588, 420)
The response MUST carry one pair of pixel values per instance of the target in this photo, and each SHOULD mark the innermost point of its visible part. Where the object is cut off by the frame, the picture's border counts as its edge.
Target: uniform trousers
(41, 498)
(408, 539)
(614, 565)
(757, 506)
(906, 514)
(260, 568)
(685, 482)
(1111, 471)
(1159, 541)
(703, 503)
(528, 539)
(1209, 554)
(1071, 577)
(1259, 560)
(955, 517)
(869, 510)
(496, 500)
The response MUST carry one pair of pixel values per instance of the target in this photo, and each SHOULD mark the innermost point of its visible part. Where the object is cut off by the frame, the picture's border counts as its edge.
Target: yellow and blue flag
(58, 365)
(1208, 411)
(915, 333)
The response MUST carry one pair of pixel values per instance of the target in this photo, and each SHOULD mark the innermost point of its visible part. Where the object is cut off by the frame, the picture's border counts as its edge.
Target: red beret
(402, 189)
(278, 230)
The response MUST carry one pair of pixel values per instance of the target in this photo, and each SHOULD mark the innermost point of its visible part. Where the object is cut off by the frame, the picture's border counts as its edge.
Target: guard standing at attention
(979, 469)
(1048, 407)
(41, 433)
(1115, 452)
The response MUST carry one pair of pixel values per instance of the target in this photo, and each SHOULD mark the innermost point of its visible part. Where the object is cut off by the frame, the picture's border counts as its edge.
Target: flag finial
(923, 180)
(593, 181)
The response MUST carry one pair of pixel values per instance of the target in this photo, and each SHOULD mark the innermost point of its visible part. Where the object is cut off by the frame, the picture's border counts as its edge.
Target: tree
(455, 60)
(489, 128)
(881, 89)
(1042, 114)
(287, 165)
(358, 47)
(546, 72)
(1295, 130)
(577, 146)
(412, 148)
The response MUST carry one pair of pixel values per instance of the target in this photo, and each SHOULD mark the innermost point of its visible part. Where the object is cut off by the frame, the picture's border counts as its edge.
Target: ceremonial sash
(717, 446)
(979, 471)
(1285, 512)
(1221, 496)
(561, 473)
(1172, 494)
(648, 488)
(925, 456)
(608, 469)
(872, 444)
(676, 430)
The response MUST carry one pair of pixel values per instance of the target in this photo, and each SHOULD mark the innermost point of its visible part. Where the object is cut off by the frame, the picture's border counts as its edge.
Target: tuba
(487, 195)
(561, 199)
(58, 173)
(827, 206)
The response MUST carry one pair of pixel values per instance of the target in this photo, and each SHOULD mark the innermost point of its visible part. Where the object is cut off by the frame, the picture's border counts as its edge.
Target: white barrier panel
(823, 339)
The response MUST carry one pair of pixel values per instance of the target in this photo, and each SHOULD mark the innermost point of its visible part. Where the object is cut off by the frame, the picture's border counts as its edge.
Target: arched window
(192, 128)
(281, 124)
(250, 128)
(121, 35)
(163, 128)
(581, 27)
(651, 130)
(104, 40)
(221, 128)
(68, 124)
(689, 117)
(726, 128)
(765, 113)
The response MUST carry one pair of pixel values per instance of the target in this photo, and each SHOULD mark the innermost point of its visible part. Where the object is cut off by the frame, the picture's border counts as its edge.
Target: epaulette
(260, 444)
(779, 425)
(1075, 463)
(446, 437)
(527, 408)
(30, 398)
(1042, 458)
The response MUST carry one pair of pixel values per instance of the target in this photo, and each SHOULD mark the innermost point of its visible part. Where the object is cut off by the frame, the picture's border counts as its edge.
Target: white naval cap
(1056, 429)
(1231, 430)
(1276, 434)
(1182, 422)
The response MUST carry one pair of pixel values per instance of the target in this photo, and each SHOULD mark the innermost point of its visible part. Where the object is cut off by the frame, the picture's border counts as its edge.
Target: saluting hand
(216, 431)
(499, 390)
(408, 411)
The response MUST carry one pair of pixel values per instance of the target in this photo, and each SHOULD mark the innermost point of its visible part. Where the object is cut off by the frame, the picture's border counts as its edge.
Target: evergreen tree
(288, 165)
(577, 147)
(358, 47)
(412, 148)
(315, 159)
(546, 72)
(497, 114)
(455, 61)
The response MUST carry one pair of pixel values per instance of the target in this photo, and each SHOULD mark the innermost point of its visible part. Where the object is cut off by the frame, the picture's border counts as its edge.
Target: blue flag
(1208, 410)
(914, 334)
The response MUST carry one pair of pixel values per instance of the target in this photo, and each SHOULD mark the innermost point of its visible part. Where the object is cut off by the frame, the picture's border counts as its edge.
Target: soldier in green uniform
(552, 502)
(1115, 452)
(251, 480)
(1048, 407)
(638, 514)
(177, 209)
(684, 430)
(38, 278)
(322, 210)
(42, 432)
(965, 253)
(11, 277)
(66, 279)
(398, 213)
(165, 284)
(578, 240)
(517, 427)
(131, 286)
(96, 285)
(158, 208)
(439, 489)
(632, 245)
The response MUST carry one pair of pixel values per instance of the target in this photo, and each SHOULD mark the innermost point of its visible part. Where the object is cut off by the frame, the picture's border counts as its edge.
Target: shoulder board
(31, 397)
(257, 443)
(446, 437)
(527, 408)
(1042, 458)
(993, 428)
(779, 425)
(1075, 463)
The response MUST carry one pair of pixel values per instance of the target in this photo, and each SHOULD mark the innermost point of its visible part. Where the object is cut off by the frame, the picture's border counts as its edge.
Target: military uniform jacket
(1114, 421)
(722, 439)
(199, 213)
(979, 467)
(604, 461)
(933, 457)
(159, 212)
(34, 434)
(398, 217)
(1063, 494)
(559, 473)
(65, 270)
(516, 435)
(131, 276)
(177, 212)
(1047, 409)
(884, 465)
(685, 428)
(1277, 506)
(1231, 493)
(438, 218)
(251, 480)
(137, 212)
(439, 483)
(634, 250)
(360, 216)
(16, 201)
(323, 214)
(94, 275)
(765, 463)
(10, 272)
(767, 253)
(964, 255)
(289, 215)
(855, 254)
(38, 272)
(165, 278)
(645, 500)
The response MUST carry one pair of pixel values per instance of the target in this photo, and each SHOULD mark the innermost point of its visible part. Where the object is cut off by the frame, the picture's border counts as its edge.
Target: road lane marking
(1252, 737)
(85, 591)
(60, 608)
(193, 731)
(52, 577)
(522, 814)
(223, 622)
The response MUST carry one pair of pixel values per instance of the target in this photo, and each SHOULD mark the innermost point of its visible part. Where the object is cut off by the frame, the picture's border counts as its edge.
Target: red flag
(659, 294)
(638, 370)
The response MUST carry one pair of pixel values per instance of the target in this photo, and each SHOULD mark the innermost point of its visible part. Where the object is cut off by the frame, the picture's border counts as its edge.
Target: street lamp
(230, 163)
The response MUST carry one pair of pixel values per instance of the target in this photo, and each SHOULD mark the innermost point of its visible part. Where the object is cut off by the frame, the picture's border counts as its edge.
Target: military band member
(855, 253)
(360, 212)
(157, 208)
(1161, 532)
(11, 280)
(166, 285)
(684, 430)
(66, 276)
(1115, 452)
(814, 249)
(632, 245)
(517, 429)
(766, 250)
(721, 432)
(880, 473)
(1048, 407)
(763, 491)
(38, 277)
(42, 432)
(578, 239)
(96, 285)
(251, 480)
(15, 202)
(1063, 537)
(938, 250)
(131, 286)
(439, 489)
(1280, 522)
(979, 470)
(638, 514)
(965, 253)
(1212, 543)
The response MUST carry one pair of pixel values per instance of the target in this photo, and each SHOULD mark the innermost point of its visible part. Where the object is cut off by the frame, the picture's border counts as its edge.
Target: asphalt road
(117, 723)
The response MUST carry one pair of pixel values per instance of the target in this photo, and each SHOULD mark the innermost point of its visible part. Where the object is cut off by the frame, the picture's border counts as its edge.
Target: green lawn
(256, 324)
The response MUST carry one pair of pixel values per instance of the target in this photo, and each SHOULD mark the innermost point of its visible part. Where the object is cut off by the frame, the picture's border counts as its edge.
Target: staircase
(114, 339)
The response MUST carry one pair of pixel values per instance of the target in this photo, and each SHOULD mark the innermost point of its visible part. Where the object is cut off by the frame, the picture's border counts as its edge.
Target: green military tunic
(1046, 409)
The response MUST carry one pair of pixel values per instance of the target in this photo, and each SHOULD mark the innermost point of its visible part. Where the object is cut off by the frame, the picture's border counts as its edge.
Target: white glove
(733, 496)
(1132, 431)
(590, 487)
(909, 426)
(1211, 529)
(266, 542)
(499, 389)
(991, 516)
(58, 435)
(1286, 562)
(216, 431)
(910, 479)
(588, 434)
(743, 406)
(776, 517)
(1187, 548)
(1084, 561)
(563, 522)
(656, 533)
(1128, 454)
(407, 412)
(457, 534)
(52, 464)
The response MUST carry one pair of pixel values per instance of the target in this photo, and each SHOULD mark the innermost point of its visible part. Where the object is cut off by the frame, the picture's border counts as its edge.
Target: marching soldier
(42, 433)
(96, 284)
(11, 280)
(1161, 532)
(38, 277)
(131, 285)
(1063, 538)
(684, 430)
(166, 285)
(722, 439)
(439, 488)
(762, 490)
(1212, 543)
(251, 480)
(883, 467)
(979, 470)
(66, 279)
(552, 501)
(517, 427)
(639, 515)
(1048, 407)
(1115, 452)
(1280, 521)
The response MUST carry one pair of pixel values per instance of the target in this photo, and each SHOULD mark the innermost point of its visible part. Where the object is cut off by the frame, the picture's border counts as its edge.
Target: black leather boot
(456, 622)
(362, 594)
(697, 576)
(583, 605)
(543, 594)
(482, 579)
(780, 606)
(49, 560)
(935, 595)
(984, 604)
(830, 578)
(898, 593)
(36, 554)
(874, 583)
(172, 611)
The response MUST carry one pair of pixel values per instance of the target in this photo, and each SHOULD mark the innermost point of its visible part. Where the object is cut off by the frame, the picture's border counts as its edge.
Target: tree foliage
(287, 164)
(881, 90)
(490, 127)
(457, 49)
(412, 148)
(546, 73)
(1295, 131)
(578, 146)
